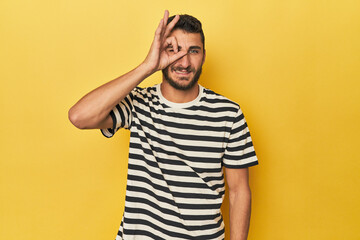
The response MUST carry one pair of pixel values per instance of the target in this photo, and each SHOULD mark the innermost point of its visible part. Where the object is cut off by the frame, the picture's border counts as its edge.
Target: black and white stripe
(175, 183)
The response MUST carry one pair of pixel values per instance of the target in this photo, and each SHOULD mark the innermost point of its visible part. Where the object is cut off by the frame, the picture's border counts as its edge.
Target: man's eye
(194, 51)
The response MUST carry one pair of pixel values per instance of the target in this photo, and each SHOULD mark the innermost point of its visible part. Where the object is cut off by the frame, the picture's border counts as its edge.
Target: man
(182, 137)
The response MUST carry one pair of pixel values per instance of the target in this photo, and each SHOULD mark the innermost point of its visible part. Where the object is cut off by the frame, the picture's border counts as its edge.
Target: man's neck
(179, 96)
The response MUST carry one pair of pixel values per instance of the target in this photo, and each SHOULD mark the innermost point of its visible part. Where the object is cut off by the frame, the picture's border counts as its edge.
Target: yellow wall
(294, 67)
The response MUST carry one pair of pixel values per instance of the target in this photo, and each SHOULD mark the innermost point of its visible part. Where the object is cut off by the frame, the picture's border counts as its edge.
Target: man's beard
(177, 85)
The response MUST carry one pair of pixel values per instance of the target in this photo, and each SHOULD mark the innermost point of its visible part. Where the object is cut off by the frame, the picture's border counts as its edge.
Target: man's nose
(184, 61)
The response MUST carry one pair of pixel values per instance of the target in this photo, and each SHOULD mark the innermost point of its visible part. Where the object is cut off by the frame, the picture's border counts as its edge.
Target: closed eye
(170, 49)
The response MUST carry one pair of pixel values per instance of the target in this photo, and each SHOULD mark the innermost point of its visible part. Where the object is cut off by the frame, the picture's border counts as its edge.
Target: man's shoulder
(214, 97)
(144, 92)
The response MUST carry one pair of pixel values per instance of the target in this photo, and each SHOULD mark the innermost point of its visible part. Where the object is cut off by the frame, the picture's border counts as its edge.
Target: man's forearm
(240, 211)
(95, 106)
(92, 111)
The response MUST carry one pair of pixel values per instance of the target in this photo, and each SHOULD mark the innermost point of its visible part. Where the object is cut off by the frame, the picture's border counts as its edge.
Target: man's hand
(158, 58)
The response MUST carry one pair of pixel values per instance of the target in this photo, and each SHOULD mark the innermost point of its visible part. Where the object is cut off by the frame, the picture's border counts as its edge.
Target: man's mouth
(182, 71)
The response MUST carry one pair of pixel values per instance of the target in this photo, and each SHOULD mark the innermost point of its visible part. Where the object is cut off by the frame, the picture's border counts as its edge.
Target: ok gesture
(158, 58)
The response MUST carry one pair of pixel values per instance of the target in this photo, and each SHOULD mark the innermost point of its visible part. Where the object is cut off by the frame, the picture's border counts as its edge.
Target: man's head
(189, 24)
(184, 73)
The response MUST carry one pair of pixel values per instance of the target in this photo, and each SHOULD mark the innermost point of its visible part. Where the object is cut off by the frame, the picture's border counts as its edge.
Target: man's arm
(92, 111)
(240, 202)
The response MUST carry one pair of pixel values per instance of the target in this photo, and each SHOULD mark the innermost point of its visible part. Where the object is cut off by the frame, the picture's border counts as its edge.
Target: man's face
(184, 73)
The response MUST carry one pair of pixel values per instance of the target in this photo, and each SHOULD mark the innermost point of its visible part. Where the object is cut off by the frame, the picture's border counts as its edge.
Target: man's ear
(203, 60)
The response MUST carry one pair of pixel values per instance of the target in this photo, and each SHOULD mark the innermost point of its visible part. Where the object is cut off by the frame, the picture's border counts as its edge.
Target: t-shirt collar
(179, 105)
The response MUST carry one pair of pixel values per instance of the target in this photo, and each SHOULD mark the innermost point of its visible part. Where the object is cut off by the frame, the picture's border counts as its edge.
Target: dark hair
(189, 24)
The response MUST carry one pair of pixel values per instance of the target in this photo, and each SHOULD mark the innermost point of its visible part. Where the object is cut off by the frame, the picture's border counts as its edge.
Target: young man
(182, 135)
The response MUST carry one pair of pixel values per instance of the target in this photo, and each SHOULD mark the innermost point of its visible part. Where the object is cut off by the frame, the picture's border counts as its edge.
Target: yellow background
(294, 67)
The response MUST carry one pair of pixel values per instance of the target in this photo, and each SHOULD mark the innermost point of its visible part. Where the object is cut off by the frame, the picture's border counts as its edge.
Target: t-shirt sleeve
(121, 115)
(239, 152)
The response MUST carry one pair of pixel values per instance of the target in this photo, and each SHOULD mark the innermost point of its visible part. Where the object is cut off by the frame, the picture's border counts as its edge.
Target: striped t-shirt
(175, 182)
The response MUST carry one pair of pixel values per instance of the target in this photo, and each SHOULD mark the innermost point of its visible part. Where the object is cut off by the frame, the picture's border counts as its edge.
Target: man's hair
(189, 24)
